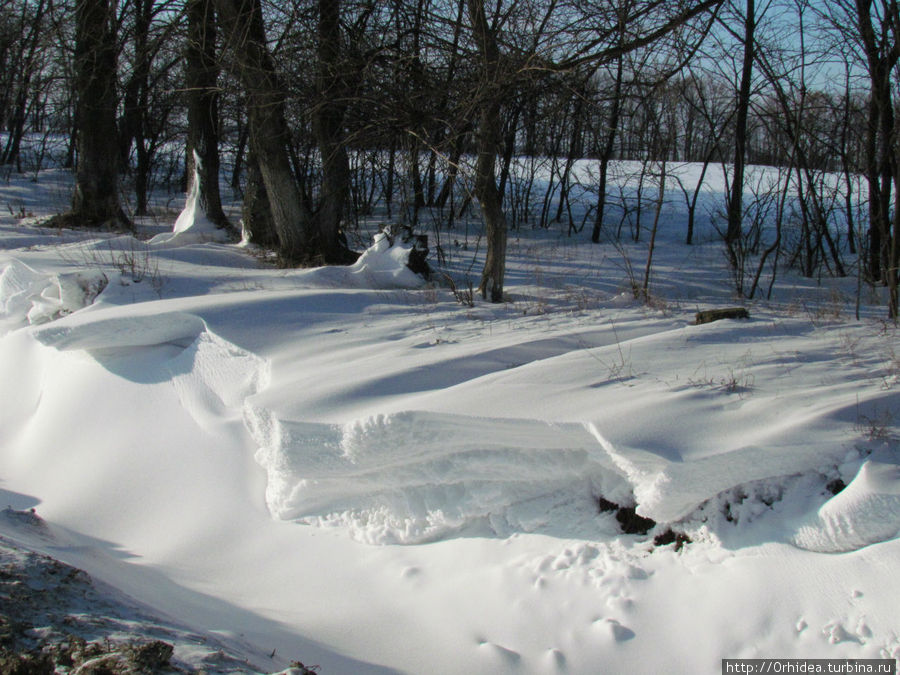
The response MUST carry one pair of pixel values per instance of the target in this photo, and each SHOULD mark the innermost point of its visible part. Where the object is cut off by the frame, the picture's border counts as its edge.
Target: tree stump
(710, 315)
(418, 262)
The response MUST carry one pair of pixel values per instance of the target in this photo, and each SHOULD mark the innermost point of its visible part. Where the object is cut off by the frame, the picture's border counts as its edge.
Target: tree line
(317, 110)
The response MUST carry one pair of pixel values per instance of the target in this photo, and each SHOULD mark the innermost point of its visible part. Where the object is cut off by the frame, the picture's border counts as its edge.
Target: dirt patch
(55, 619)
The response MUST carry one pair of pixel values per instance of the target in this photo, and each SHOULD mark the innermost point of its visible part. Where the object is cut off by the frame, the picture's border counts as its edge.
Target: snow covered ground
(348, 468)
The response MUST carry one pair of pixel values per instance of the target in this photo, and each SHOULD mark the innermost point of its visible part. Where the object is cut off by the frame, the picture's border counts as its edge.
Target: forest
(317, 114)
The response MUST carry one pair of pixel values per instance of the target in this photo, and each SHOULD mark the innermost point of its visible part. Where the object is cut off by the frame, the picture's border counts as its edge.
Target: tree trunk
(488, 138)
(242, 24)
(573, 153)
(96, 198)
(256, 216)
(201, 76)
(26, 70)
(879, 136)
(328, 126)
(736, 195)
(608, 148)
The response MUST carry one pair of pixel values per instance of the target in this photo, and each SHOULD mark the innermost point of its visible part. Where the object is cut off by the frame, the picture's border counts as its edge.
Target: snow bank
(19, 284)
(66, 293)
(126, 426)
(211, 375)
(116, 332)
(418, 476)
(668, 491)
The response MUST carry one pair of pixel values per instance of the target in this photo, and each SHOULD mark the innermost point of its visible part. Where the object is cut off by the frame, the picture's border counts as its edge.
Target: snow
(383, 265)
(192, 224)
(866, 512)
(346, 467)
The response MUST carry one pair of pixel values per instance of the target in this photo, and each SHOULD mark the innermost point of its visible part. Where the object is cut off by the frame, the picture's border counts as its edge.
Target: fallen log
(710, 315)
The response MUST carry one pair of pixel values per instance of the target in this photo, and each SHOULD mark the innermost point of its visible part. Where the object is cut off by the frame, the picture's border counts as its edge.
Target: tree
(19, 74)
(487, 142)
(201, 78)
(146, 29)
(95, 202)
(736, 190)
(242, 23)
(874, 27)
(534, 35)
(609, 143)
(328, 125)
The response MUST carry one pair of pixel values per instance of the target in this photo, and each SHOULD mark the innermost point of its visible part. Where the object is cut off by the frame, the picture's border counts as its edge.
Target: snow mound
(213, 377)
(866, 512)
(383, 265)
(35, 297)
(66, 293)
(417, 476)
(18, 285)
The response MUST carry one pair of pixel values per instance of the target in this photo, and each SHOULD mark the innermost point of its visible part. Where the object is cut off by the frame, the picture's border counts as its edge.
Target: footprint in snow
(411, 572)
(836, 633)
(616, 630)
(557, 659)
(507, 655)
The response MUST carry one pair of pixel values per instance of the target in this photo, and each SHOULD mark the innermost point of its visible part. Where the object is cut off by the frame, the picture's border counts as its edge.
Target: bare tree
(23, 54)
(590, 36)
(328, 125)
(609, 141)
(487, 142)
(750, 17)
(873, 26)
(95, 202)
(242, 23)
(201, 82)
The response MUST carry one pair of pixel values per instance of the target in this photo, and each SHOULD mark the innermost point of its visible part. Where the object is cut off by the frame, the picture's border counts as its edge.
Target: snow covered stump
(418, 243)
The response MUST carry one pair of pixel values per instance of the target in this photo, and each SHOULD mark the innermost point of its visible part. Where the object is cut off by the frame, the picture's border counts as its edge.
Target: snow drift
(866, 512)
(417, 476)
